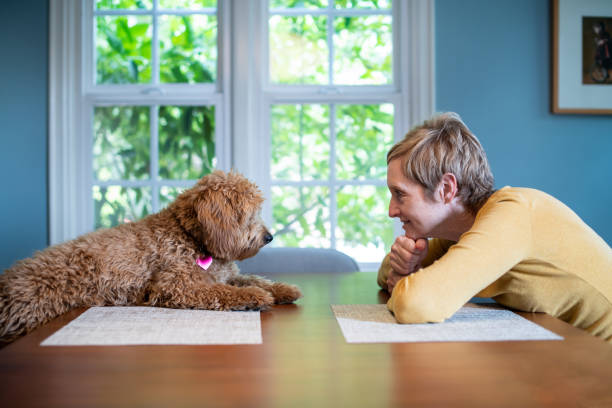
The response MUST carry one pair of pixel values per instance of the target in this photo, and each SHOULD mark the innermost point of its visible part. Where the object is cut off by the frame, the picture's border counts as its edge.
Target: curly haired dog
(154, 261)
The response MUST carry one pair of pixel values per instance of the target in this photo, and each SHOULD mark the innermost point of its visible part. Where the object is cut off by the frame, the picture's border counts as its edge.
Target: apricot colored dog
(157, 261)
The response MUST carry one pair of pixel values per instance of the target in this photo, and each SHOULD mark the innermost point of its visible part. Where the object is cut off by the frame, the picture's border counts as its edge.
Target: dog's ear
(218, 211)
(225, 199)
(215, 217)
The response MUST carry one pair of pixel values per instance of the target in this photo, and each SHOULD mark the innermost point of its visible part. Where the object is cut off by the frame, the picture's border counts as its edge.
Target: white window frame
(242, 97)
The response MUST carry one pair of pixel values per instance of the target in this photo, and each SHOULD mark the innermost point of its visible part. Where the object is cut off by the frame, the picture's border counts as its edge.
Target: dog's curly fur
(151, 261)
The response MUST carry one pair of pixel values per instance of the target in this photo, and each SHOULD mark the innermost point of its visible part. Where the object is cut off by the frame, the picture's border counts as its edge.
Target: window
(331, 109)
(145, 151)
(303, 97)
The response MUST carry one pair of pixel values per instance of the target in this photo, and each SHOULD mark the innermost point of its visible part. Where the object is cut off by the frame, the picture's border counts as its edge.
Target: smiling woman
(520, 246)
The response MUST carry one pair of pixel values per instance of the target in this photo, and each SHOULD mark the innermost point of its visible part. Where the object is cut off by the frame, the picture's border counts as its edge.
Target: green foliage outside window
(299, 49)
(187, 49)
(123, 49)
(122, 152)
(339, 4)
(300, 148)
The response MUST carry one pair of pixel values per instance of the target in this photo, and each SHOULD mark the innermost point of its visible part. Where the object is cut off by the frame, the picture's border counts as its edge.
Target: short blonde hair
(444, 144)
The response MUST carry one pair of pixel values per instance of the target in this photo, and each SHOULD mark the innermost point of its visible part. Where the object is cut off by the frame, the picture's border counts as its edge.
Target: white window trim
(67, 218)
(241, 82)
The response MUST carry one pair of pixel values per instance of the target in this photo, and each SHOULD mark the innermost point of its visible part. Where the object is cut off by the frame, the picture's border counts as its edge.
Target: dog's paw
(285, 293)
(253, 298)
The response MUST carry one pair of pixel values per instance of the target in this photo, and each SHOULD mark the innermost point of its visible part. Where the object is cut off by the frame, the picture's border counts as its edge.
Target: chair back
(271, 261)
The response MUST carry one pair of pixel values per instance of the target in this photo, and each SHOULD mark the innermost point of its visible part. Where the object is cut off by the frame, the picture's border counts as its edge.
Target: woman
(519, 246)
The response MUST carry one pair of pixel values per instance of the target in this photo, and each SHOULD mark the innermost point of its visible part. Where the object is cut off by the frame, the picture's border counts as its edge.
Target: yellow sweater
(526, 250)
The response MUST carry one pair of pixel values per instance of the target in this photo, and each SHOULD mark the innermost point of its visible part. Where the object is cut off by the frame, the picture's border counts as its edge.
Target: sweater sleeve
(436, 248)
(499, 239)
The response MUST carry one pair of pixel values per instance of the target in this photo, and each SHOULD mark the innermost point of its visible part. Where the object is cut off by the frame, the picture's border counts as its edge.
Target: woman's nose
(393, 209)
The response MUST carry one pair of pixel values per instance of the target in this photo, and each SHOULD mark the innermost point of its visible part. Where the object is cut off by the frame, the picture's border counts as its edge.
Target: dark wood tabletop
(304, 361)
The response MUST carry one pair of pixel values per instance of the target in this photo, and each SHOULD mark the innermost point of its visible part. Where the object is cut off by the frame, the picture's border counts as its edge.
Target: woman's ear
(448, 188)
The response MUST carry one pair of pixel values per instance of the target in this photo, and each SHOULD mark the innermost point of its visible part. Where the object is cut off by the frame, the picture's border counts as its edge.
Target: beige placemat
(106, 326)
(375, 324)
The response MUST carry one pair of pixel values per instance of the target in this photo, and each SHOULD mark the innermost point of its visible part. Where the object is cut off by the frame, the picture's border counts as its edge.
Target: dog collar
(204, 263)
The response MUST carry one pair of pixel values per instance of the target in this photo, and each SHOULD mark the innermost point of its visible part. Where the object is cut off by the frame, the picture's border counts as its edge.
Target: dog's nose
(268, 238)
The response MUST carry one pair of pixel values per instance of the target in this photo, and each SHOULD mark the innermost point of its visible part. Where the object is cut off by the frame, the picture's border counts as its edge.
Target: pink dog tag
(204, 263)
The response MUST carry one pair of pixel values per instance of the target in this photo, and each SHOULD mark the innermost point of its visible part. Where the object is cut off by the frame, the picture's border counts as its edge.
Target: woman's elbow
(411, 309)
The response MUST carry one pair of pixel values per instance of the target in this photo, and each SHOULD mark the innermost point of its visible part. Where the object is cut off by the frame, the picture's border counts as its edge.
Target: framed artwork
(582, 56)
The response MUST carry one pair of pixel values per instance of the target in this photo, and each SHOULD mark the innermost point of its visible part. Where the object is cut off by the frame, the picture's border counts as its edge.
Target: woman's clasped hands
(405, 258)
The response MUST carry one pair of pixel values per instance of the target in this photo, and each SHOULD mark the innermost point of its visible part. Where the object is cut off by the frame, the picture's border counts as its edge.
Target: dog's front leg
(282, 292)
(217, 296)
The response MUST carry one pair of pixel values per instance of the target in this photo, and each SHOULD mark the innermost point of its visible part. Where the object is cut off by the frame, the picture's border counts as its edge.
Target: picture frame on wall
(582, 56)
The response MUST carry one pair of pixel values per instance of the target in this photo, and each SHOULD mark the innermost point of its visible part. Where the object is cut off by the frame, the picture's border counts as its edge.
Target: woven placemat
(114, 326)
(376, 324)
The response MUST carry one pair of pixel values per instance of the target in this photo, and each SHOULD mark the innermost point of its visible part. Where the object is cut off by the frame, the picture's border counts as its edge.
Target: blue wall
(23, 128)
(493, 68)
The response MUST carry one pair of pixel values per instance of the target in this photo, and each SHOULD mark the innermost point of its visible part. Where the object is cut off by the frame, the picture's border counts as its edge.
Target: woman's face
(422, 216)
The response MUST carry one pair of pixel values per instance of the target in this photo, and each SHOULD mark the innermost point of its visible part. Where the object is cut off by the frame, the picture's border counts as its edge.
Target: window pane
(187, 4)
(116, 205)
(311, 4)
(301, 216)
(121, 143)
(362, 50)
(186, 141)
(364, 134)
(363, 4)
(188, 49)
(298, 50)
(123, 4)
(364, 230)
(300, 142)
(123, 49)
(168, 194)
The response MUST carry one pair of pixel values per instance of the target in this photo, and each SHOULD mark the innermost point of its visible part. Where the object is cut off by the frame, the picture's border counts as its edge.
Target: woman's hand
(405, 258)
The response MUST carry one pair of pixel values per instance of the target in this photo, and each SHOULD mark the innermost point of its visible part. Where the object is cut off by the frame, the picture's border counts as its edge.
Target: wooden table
(304, 361)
